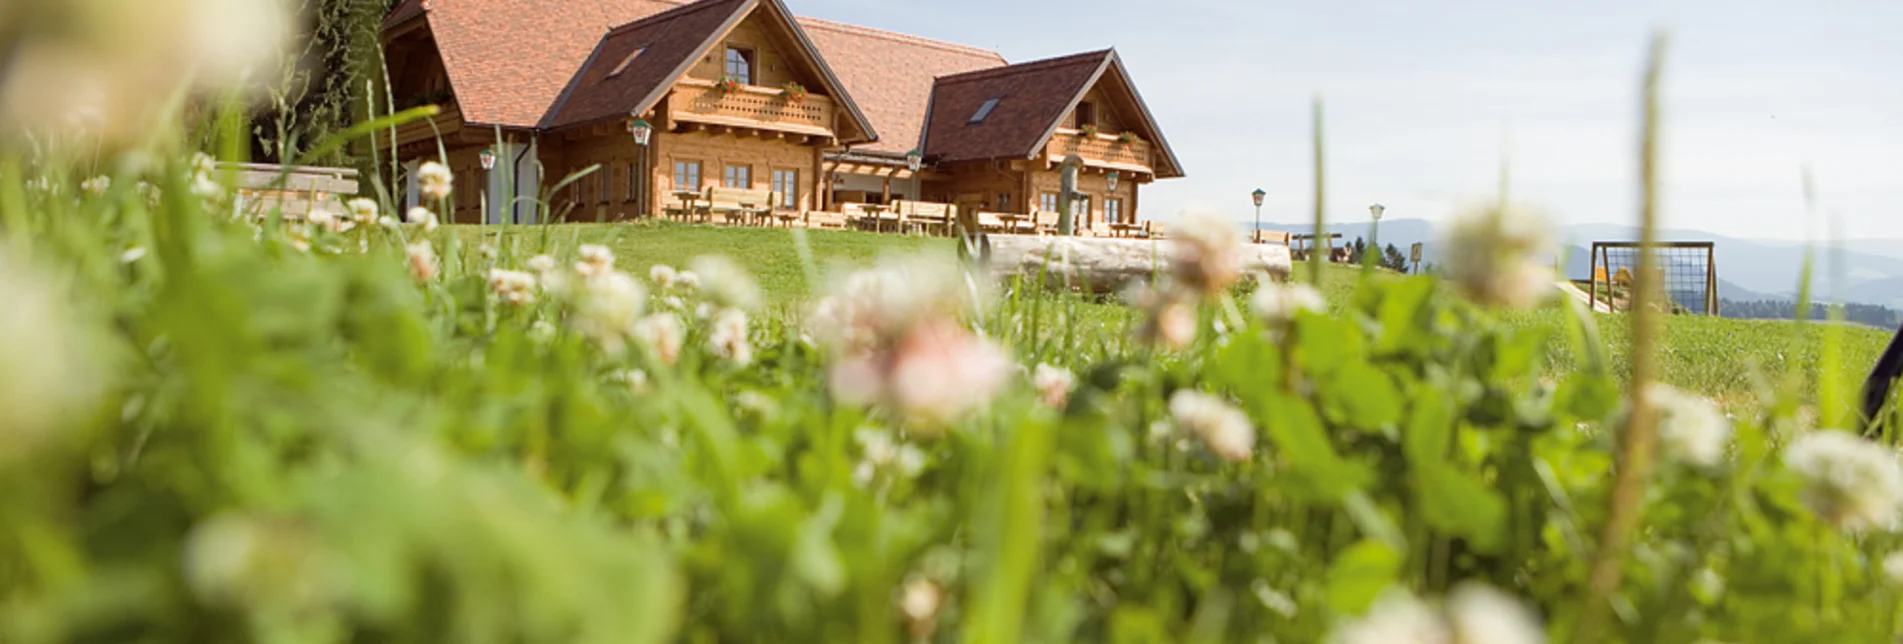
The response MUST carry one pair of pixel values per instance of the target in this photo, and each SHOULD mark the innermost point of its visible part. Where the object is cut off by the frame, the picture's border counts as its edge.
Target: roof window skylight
(985, 110)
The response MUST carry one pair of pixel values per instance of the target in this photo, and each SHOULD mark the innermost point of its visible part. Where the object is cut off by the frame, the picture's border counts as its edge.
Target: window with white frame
(1113, 210)
(687, 175)
(738, 176)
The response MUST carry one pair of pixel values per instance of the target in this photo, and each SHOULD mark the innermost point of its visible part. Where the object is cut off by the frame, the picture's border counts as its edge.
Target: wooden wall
(716, 151)
(1092, 183)
(1109, 121)
(774, 62)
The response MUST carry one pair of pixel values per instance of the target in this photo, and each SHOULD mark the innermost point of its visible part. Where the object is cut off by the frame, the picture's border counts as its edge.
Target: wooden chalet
(812, 116)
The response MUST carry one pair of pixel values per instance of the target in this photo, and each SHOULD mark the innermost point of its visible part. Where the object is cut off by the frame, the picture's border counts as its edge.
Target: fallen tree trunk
(1102, 264)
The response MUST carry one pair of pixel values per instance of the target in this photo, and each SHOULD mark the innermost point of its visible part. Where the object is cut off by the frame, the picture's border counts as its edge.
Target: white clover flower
(1852, 483)
(1479, 614)
(663, 275)
(688, 280)
(420, 216)
(674, 303)
(542, 264)
(131, 255)
(1223, 429)
(364, 211)
(1893, 567)
(607, 308)
(635, 380)
(323, 219)
(53, 370)
(1168, 319)
(729, 337)
(941, 371)
(97, 185)
(726, 283)
(515, 287)
(387, 221)
(1053, 385)
(1277, 304)
(434, 180)
(542, 331)
(1397, 617)
(422, 260)
(205, 186)
(299, 236)
(919, 601)
(203, 164)
(488, 251)
(1497, 262)
(1690, 428)
(596, 255)
(663, 335)
(1207, 254)
(882, 454)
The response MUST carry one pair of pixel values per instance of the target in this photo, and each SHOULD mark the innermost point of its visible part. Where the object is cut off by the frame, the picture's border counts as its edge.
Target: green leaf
(1326, 343)
(1248, 364)
(1454, 502)
(814, 556)
(1404, 315)
(1429, 428)
(1363, 396)
(1298, 433)
(1587, 396)
(1359, 575)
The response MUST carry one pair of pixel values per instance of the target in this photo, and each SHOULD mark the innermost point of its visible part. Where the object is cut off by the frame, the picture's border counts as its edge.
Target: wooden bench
(744, 204)
(826, 219)
(930, 217)
(1272, 236)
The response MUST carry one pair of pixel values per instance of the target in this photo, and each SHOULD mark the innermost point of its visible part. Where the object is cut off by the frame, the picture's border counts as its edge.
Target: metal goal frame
(1603, 252)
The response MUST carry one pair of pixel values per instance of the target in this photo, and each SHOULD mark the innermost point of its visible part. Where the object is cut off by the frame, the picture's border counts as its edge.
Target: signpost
(1414, 255)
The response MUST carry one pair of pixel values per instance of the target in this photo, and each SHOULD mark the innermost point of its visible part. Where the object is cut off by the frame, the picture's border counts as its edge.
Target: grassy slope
(1730, 360)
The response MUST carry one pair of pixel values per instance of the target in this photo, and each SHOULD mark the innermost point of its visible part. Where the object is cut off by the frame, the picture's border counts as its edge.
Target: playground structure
(1689, 272)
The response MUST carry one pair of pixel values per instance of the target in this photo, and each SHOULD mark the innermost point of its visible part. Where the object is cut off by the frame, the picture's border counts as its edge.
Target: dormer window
(626, 61)
(984, 110)
(740, 65)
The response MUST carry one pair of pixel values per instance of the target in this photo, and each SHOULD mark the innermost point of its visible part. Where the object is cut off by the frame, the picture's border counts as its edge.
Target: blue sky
(1421, 98)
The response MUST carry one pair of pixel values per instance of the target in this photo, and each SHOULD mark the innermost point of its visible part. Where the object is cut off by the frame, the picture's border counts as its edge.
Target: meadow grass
(1738, 363)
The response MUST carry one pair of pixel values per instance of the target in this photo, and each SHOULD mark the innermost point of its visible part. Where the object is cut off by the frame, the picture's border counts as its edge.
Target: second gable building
(741, 93)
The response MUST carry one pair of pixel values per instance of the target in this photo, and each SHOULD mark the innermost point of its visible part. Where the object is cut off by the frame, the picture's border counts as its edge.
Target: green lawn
(772, 254)
(1734, 361)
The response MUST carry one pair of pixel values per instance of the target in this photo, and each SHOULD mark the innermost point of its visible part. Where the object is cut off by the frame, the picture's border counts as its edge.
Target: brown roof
(403, 12)
(508, 60)
(1032, 97)
(890, 75)
(666, 42)
(1032, 100)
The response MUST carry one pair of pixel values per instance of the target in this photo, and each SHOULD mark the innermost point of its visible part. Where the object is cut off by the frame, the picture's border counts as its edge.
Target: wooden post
(1066, 195)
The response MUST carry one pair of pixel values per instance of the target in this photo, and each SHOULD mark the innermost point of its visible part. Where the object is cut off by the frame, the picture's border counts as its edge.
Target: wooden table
(687, 198)
(1011, 221)
(1124, 230)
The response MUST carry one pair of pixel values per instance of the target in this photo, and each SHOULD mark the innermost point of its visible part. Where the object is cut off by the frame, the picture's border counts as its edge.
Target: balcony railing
(448, 121)
(699, 101)
(1100, 150)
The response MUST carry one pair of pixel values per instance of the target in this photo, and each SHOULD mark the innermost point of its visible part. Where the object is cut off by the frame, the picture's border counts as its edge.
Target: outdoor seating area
(742, 207)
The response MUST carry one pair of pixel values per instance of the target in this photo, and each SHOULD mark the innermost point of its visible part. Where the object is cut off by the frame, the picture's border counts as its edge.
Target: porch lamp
(641, 131)
(1256, 233)
(1374, 236)
(914, 159)
(1110, 181)
(488, 158)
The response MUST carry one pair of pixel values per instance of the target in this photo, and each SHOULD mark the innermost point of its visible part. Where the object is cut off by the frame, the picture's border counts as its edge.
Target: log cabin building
(741, 93)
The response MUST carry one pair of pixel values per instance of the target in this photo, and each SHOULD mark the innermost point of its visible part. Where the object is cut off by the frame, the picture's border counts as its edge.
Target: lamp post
(1255, 234)
(641, 131)
(1374, 234)
(914, 159)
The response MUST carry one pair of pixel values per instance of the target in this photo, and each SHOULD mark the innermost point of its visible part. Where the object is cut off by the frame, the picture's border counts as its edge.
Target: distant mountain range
(1748, 269)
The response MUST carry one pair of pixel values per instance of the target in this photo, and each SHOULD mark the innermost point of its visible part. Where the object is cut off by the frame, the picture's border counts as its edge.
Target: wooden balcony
(762, 108)
(448, 122)
(1101, 151)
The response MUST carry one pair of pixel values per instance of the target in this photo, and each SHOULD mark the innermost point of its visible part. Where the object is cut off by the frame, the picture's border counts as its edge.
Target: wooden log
(1103, 264)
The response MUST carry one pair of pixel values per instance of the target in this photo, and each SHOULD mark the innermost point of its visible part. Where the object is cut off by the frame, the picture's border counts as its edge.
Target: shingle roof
(1032, 97)
(665, 41)
(890, 75)
(508, 60)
